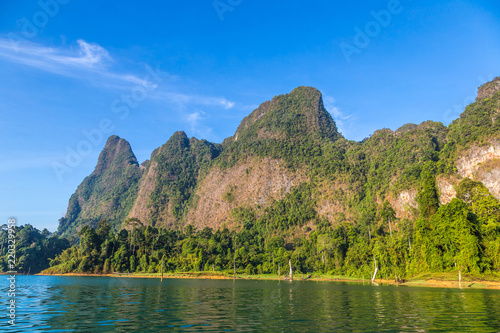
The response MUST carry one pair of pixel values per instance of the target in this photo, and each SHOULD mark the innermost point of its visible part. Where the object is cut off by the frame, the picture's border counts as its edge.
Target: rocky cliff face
(482, 163)
(489, 174)
(170, 179)
(473, 158)
(488, 90)
(141, 208)
(405, 204)
(286, 142)
(253, 183)
(109, 192)
(446, 187)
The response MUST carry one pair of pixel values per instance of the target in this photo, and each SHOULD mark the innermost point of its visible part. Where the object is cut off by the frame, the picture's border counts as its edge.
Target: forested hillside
(288, 185)
(463, 235)
(33, 249)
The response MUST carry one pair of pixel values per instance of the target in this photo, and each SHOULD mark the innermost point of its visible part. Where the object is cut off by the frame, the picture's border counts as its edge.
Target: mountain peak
(107, 192)
(116, 151)
(299, 113)
(488, 89)
(176, 143)
(406, 128)
(306, 90)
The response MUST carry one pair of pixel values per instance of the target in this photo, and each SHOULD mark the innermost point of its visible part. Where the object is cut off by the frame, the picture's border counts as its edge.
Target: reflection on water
(94, 304)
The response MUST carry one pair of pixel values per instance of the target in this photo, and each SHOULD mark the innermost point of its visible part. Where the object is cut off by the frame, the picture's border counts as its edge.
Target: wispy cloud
(345, 122)
(184, 99)
(197, 123)
(92, 62)
(86, 60)
(190, 109)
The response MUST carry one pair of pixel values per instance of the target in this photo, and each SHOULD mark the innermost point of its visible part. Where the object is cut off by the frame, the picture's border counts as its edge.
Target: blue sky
(74, 72)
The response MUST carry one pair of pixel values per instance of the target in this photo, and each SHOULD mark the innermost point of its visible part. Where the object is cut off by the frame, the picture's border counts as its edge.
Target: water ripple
(87, 304)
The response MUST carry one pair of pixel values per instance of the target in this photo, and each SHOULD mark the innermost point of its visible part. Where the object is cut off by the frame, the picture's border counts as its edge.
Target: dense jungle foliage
(295, 129)
(358, 180)
(33, 248)
(463, 235)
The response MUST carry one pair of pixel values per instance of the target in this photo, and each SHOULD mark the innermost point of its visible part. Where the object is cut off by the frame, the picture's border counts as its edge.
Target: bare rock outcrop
(446, 187)
(255, 182)
(470, 160)
(141, 209)
(405, 203)
(489, 89)
(488, 173)
(482, 163)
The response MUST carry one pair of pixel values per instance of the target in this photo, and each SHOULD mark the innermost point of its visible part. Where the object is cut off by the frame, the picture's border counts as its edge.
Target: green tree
(428, 198)
(388, 214)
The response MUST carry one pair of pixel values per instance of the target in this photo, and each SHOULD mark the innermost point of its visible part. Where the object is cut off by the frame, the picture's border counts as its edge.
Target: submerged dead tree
(376, 270)
(162, 258)
(234, 257)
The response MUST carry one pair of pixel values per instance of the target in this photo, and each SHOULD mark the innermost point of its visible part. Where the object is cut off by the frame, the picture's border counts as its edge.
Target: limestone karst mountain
(290, 146)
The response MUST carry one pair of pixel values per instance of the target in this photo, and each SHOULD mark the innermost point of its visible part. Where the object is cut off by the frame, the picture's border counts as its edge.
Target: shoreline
(415, 282)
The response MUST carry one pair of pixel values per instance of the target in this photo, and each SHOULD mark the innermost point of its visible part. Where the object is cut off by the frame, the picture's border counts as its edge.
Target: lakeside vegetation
(340, 221)
(460, 236)
(33, 248)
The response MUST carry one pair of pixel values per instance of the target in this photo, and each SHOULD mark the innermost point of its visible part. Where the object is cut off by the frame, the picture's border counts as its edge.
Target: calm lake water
(100, 304)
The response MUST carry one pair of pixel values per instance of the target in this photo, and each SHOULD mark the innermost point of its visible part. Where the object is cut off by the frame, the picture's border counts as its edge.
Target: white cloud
(91, 53)
(345, 122)
(194, 118)
(189, 108)
(198, 127)
(88, 61)
(92, 62)
(184, 100)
